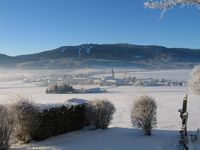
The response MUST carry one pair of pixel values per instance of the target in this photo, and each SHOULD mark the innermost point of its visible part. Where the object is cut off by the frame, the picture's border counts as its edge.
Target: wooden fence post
(184, 117)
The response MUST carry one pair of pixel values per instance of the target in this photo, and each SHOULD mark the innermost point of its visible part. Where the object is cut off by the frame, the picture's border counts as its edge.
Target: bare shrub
(99, 113)
(5, 128)
(143, 114)
(25, 114)
(194, 82)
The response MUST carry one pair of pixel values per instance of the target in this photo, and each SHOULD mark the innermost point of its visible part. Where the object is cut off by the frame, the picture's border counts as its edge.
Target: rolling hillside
(92, 55)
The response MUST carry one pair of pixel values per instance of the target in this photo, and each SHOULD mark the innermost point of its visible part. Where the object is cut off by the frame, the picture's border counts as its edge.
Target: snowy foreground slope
(120, 135)
(111, 139)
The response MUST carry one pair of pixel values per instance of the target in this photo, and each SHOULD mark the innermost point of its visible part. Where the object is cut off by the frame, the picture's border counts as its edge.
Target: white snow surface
(120, 135)
(67, 103)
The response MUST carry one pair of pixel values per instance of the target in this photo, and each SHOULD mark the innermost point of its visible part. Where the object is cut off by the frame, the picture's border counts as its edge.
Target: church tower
(113, 73)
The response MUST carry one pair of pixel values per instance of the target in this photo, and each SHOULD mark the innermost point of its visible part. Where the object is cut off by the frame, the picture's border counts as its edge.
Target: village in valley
(100, 80)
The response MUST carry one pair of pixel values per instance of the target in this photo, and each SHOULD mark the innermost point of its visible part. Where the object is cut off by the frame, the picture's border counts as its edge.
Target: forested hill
(106, 54)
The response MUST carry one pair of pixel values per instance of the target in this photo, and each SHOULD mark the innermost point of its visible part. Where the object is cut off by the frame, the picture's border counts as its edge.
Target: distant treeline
(61, 88)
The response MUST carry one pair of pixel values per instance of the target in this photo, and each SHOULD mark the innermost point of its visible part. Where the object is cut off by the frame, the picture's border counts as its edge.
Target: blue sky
(30, 26)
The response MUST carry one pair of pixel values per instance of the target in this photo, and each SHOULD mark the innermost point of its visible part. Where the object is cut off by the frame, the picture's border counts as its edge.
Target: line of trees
(61, 88)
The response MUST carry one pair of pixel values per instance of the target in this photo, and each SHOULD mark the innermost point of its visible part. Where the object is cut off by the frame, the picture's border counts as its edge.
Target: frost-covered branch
(163, 5)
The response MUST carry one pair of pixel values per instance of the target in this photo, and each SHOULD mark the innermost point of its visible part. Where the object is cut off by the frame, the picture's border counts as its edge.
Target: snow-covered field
(120, 135)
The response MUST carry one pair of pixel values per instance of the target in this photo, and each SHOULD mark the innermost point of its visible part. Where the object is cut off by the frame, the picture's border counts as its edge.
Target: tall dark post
(185, 103)
(184, 118)
(184, 112)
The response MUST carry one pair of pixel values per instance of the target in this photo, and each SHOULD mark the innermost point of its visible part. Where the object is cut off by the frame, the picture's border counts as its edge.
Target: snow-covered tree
(99, 113)
(143, 114)
(25, 114)
(5, 128)
(194, 82)
(163, 5)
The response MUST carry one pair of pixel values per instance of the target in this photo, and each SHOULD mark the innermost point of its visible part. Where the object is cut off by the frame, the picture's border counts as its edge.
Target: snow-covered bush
(99, 113)
(5, 128)
(58, 120)
(194, 82)
(60, 88)
(143, 114)
(25, 115)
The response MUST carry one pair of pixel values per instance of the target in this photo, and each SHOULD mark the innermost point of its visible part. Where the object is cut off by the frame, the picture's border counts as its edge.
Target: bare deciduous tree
(99, 113)
(5, 128)
(194, 82)
(143, 114)
(25, 115)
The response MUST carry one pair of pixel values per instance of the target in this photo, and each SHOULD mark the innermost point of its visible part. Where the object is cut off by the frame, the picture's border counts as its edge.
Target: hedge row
(55, 121)
(38, 122)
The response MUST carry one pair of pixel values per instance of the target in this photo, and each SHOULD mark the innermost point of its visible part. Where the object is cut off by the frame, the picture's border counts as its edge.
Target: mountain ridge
(147, 55)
